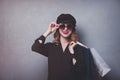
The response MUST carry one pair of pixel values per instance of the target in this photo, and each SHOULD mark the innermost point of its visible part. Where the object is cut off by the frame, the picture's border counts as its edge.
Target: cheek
(70, 32)
(60, 31)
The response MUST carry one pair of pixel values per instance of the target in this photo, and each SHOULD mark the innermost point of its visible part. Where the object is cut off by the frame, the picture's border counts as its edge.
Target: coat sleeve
(85, 64)
(80, 65)
(39, 46)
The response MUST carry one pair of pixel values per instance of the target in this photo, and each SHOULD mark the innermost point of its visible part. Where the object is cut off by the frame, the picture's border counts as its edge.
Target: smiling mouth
(65, 32)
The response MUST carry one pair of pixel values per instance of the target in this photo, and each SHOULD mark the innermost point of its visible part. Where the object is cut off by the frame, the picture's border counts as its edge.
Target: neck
(64, 40)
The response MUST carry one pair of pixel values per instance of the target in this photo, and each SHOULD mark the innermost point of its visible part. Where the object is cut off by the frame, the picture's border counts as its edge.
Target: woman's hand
(52, 27)
(71, 46)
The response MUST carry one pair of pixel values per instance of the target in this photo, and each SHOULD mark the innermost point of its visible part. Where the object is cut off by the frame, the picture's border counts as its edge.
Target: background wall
(22, 21)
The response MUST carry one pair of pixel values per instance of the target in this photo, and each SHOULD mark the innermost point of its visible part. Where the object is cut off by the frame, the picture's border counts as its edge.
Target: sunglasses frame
(63, 25)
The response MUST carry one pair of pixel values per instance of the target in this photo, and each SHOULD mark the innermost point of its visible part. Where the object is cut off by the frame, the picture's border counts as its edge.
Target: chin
(66, 36)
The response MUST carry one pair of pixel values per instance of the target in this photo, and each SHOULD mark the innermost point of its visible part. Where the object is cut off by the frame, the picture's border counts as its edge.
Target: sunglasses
(68, 26)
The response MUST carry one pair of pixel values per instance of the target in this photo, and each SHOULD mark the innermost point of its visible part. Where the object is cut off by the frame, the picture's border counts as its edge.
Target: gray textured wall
(22, 21)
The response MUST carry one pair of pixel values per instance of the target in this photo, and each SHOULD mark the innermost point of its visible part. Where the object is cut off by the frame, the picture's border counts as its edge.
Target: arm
(80, 66)
(79, 56)
(39, 46)
(79, 60)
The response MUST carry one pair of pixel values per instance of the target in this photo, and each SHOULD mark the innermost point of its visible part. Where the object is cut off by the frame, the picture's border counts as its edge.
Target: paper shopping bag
(101, 65)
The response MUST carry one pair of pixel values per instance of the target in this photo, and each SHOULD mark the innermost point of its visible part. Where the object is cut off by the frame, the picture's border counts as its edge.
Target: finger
(57, 25)
(52, 25)
(72, 42)
(74, 61)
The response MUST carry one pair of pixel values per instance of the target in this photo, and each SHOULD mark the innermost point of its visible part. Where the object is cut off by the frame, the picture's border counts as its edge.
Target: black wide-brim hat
(66, 18)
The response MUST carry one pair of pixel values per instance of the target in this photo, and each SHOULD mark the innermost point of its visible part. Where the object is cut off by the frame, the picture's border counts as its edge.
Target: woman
(66, 59)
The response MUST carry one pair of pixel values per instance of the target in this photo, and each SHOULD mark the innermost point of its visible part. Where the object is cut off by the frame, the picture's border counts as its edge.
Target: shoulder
(81, 46)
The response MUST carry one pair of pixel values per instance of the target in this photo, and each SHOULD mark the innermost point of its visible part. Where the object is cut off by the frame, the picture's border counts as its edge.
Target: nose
(65, 28)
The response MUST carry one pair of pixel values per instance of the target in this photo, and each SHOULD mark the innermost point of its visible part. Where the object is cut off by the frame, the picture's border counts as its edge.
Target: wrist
(71, 51)
(46, 33)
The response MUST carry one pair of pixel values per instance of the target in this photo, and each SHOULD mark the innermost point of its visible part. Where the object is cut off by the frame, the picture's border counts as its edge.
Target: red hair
(73, 37)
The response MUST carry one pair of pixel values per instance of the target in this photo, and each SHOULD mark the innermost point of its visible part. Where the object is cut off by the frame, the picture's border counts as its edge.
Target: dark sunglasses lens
(70, 27)
(62, 26)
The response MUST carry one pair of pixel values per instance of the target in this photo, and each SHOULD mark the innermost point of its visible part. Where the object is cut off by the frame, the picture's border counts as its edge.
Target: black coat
(60, 66)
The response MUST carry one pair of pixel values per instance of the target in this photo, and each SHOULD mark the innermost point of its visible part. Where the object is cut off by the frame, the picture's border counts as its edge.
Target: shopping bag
(101, 65)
